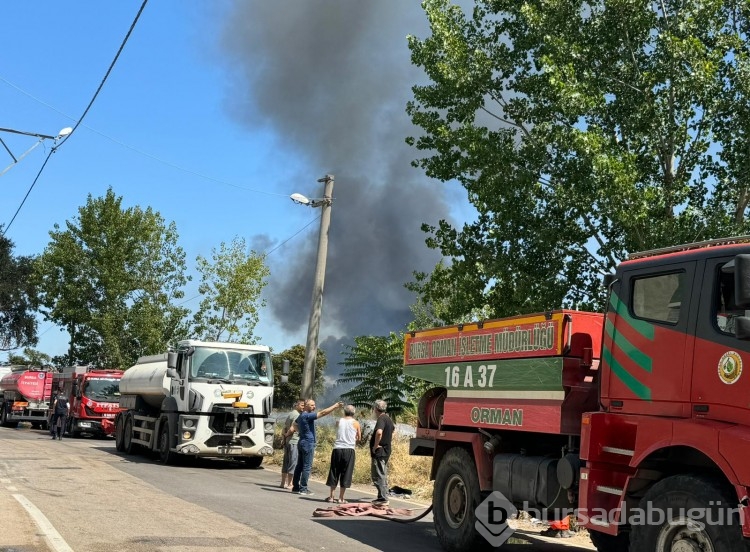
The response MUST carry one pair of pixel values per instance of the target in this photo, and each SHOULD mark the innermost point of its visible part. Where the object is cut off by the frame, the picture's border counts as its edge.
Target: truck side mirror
(285, 368)
(172, 360)
(742, 281)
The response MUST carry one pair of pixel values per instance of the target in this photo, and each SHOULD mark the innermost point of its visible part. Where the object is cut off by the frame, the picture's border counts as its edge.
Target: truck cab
(639, 409)
(207, 399)
(93, 398)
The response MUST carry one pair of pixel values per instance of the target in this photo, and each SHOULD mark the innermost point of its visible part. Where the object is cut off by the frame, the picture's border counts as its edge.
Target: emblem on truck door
(730, 367)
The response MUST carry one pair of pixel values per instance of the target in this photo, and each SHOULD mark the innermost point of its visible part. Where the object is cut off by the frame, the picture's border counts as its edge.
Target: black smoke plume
(332, 78)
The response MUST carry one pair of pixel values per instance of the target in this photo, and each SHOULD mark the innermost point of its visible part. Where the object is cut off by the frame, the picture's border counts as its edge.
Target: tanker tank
(31, 383)
(147, 379)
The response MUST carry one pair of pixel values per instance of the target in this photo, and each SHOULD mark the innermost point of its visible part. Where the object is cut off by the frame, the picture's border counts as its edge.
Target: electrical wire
(80, 119)
(265, 254)
(293, 235)
(141, 152)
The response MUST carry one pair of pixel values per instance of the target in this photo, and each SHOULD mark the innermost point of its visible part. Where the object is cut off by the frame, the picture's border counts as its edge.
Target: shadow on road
(372, 532)
(146, 457)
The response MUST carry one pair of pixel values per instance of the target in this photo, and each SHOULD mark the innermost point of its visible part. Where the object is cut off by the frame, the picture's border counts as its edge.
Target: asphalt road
(97, 499)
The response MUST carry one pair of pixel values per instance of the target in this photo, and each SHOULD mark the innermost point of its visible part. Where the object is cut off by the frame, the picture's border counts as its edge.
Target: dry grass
(409, 472)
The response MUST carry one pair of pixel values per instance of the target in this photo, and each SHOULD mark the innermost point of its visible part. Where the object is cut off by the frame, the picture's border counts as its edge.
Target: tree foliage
(581, 131)
(17, 321)
(376, 365)
(111, 279)
(231, 286)
(284, 394)
(30, 357)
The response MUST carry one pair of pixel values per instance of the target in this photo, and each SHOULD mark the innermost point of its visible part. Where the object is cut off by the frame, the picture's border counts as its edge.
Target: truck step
(621, 451)
(598, 522)
(609, 490)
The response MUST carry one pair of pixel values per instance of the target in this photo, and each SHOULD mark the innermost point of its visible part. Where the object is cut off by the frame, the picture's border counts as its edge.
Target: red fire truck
(93, 397)
(642, 410)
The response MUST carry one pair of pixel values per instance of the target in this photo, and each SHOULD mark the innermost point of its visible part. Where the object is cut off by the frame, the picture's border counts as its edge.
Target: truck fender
(170, 410)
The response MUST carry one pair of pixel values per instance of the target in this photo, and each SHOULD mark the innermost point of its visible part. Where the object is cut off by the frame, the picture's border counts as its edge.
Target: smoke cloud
(332, 78)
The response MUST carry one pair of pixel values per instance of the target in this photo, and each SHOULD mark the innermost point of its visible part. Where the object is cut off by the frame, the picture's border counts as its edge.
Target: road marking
(54, 539)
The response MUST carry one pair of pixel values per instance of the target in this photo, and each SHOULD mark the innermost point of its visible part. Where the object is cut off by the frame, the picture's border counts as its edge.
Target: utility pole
(313, 326)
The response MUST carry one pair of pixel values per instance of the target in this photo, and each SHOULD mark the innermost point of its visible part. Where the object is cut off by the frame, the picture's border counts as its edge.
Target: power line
(80, 120)
(266, 254)
(141, 152)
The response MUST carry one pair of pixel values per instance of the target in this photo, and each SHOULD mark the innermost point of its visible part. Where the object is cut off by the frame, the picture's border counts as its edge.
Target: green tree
(581, 131)
(30, 357)
(284, 394)
(17, 321)
(376, 365)
(231, 286)
(17, 360)
(111, 279)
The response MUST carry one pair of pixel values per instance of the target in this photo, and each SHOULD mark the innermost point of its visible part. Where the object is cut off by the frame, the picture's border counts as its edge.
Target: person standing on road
(305, 426)
(348, 433)
(59, 414)
(380, 451)
(291, 438)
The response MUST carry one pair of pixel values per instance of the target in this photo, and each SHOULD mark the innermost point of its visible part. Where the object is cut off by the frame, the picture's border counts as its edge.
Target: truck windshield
(102, 389)
(231, 366)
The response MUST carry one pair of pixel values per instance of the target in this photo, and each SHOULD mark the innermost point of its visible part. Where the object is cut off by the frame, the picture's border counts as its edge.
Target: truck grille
(222, 420)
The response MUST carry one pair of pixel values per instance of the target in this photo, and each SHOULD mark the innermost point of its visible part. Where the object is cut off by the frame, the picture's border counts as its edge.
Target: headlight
(217, 393)
(187, 435)
(269, 426)
(189, 423)
(250, 394)
(269, 438)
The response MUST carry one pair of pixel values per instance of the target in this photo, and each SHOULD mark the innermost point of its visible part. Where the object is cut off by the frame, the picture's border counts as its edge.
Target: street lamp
(313, 326)
(42, 137)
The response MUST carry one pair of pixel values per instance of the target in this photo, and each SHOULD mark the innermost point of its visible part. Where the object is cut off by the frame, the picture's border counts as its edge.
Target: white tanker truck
(207, 399)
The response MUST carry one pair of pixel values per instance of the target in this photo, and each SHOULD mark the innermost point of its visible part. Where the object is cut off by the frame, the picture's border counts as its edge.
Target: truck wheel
(118, 435)
(455, 498)
(696, 514)
(610, 543)
(166, 456)
(70, 429)
(252, 462)
(4, 419)
(127, 436)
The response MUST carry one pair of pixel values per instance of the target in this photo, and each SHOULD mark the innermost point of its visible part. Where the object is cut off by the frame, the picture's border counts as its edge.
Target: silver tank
(148, 379)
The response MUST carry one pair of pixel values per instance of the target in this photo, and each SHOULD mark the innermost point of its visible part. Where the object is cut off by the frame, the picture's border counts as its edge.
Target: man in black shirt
(380, 451)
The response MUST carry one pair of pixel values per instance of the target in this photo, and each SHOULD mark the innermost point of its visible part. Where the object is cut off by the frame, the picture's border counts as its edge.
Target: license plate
(231, 450)
(109, 415)
(85, 424)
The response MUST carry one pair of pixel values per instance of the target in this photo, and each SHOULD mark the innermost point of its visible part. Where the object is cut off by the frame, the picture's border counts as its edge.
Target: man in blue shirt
(304, 425)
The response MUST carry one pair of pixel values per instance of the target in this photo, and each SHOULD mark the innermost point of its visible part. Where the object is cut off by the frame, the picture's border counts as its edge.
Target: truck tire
(127, 436)
(454, 500)
(252, 462)
(70, 428)
(166, 456)
(675, 497)
(610, 543)
(4, 419)
(118, 435)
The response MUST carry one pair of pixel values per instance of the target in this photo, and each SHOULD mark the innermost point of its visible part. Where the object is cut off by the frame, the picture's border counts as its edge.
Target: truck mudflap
(108, 426)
